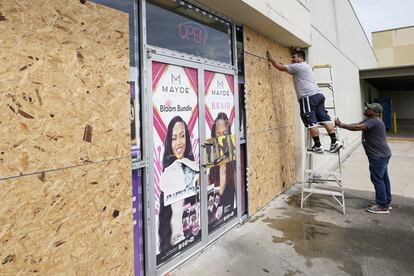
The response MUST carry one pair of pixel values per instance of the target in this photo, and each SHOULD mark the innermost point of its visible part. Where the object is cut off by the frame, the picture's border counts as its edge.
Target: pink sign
(176, 158)
(221, 157)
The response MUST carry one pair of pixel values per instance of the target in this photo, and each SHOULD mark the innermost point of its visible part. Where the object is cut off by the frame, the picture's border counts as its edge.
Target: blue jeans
(378, 168)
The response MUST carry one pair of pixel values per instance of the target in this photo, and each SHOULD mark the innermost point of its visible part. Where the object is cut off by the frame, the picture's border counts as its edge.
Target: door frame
(165, 56)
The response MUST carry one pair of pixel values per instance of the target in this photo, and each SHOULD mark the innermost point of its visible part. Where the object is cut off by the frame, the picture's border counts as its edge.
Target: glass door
(193, 158)
(176, 159)
(219, 120)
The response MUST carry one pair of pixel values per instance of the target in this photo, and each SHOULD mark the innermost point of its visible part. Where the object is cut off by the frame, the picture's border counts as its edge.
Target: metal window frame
(151, 53)
(190, 57)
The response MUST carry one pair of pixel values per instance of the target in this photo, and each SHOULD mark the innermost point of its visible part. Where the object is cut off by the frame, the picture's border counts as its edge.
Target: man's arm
(352, 127)
(279, 66)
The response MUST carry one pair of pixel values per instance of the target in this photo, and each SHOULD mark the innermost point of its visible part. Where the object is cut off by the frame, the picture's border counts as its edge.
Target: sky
(378, 15)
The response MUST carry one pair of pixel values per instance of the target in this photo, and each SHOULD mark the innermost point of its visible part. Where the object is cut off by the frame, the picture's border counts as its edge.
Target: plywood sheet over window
(63, 92)
(74, 222)
(270, 121)
(65, 139)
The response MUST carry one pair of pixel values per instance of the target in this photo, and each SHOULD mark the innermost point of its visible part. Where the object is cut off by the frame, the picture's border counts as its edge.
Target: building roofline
(394, 29)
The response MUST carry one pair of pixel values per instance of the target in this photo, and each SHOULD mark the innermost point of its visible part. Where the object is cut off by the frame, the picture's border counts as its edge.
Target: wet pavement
(283, 239)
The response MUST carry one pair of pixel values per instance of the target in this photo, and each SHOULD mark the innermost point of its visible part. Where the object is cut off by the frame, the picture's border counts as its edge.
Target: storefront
(154, 102)
(185, 117)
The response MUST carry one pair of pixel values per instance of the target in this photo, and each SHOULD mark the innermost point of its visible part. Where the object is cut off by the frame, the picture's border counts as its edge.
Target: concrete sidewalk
(283, 239)
(401, 169)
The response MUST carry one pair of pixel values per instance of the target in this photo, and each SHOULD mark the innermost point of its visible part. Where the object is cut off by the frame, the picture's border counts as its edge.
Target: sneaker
(316, 149)
(335, 147)
(373, 203)
(376, 209)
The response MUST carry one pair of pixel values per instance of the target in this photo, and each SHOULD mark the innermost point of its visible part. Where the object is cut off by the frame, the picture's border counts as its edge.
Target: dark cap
(374, 106)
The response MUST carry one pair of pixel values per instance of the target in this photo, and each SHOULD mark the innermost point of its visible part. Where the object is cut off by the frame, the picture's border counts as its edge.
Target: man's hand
(279, 66)
(352, 127)
(269, 56)
(338, 122)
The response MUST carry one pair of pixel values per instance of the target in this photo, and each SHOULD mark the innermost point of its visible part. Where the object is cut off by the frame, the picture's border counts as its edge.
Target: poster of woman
(176, 161)
(221, 154)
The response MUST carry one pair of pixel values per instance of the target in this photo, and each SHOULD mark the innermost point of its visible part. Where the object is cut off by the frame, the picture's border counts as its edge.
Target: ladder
(328, 181)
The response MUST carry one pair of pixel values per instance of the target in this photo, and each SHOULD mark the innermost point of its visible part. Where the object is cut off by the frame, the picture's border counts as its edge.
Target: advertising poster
(138, 222)
(135, 122)
(176, 159)
(221, 149)
(136, 183)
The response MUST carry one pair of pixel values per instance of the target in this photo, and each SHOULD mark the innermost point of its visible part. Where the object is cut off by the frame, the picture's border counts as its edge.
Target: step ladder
(327, 181)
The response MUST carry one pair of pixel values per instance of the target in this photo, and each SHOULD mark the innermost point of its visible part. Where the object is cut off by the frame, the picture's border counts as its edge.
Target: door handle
(205, 145)
(207, 164)
(216, 161)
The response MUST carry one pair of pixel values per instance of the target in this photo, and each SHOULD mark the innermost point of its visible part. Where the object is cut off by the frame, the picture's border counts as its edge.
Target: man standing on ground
(378, 152)
(311, 100)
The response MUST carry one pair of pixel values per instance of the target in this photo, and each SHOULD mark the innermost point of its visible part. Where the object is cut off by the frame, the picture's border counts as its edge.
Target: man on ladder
(311, 100)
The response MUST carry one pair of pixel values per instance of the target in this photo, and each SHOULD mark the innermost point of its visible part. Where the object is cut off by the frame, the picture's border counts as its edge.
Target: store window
(182, 27)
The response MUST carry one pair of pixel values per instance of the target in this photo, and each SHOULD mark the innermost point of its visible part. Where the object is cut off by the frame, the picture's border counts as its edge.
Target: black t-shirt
(374, 139)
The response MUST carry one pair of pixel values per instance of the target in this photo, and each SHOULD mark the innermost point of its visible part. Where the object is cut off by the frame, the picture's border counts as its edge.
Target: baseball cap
(374, 106)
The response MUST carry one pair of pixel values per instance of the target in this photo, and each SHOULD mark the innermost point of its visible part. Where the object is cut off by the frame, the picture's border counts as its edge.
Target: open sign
(193, 31)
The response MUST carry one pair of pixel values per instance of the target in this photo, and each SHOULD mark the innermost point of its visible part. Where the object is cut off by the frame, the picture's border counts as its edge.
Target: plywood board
(270, 121)
(71, 222)
(271, 171)
(64, 93)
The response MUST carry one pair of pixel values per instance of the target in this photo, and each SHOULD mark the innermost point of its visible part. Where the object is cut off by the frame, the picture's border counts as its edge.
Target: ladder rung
(313, 153)
(319, 66)
(328, 84)
(327, 173)
(321, 180)
(316, 153)
(322, 192)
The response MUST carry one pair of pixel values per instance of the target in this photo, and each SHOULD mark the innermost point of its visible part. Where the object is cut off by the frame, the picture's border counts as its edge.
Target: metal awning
(396, 78)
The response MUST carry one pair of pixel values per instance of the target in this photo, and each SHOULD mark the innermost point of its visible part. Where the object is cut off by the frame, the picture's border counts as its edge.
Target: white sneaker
(316, 149)
(373, 203)
(377, 209)
(335, 147)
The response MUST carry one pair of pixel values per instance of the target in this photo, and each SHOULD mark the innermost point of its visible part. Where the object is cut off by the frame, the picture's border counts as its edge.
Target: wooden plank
(65, 102)
(270, 121)
(72, 222)
(65, 66)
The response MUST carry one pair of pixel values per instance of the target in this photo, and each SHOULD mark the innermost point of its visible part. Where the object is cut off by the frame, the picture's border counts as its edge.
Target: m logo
(220, 84)
(175, 80)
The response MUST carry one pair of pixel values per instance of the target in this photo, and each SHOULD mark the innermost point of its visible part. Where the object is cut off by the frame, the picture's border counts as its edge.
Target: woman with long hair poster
(179, 223)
